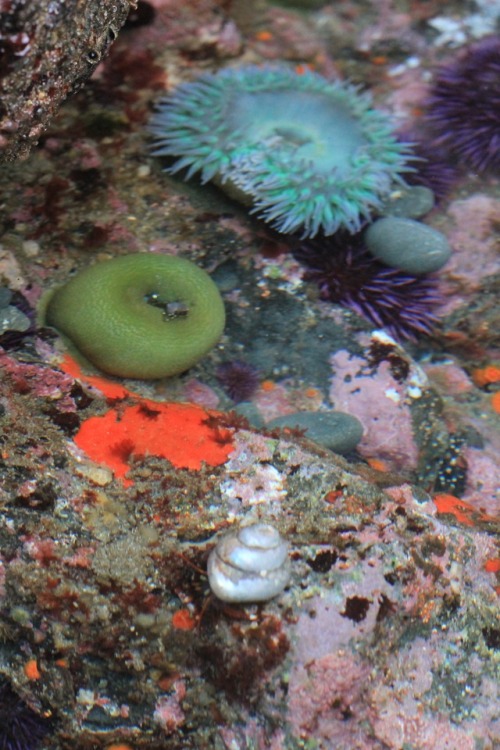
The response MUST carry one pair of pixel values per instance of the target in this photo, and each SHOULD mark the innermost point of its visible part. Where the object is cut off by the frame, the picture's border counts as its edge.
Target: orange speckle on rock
(486, 375)
(181, 433)
(31, 670)
(332, 496)
(264, 36)
(377, 464)
(183, 620)
(379, 60)
(301, 68)
(119, 746)
(268, 385)
(492, 565)
(311, 392)
(495, 402)
(464, 512)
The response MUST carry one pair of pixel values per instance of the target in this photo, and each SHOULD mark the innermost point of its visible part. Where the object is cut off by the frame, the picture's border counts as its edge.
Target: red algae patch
(181, 433)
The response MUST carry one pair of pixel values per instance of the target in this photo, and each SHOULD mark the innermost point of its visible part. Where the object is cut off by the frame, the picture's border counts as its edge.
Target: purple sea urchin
(20, 727)
(464, 106)
(239, 379)
(310, 155)
(432, 168)
(347, 274)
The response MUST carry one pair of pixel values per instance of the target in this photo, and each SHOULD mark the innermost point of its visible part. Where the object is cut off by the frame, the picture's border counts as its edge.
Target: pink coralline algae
(168, 712)
(352, 689)
(327, 692)
(471, 233)
(381, 403)
(43, 382)
(483, 478)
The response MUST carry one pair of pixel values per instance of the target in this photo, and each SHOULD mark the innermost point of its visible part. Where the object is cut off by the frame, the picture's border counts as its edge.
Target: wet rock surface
(48, 50)
(105, 588)
(387, 635)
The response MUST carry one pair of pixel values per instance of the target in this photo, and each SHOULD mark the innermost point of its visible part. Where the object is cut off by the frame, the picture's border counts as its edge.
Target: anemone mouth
(309, 154)
(310, 128)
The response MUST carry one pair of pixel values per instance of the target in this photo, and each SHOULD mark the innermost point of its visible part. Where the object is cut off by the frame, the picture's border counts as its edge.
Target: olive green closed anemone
(140, 316)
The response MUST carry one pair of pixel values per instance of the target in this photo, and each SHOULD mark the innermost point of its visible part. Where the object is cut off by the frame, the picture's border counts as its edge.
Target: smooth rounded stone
(5, 296)
(250, 412)
(336, 430)
(406, 244)
(411, 202)
(12, 319)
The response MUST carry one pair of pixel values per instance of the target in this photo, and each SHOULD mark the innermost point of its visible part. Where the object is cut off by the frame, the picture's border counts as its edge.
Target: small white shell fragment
(249, 564)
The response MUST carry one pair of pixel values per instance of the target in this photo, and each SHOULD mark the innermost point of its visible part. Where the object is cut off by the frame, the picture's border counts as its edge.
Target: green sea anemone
(139, 316)
(308, 154)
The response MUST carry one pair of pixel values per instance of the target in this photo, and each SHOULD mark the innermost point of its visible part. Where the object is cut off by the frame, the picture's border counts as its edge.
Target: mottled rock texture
(48, 49)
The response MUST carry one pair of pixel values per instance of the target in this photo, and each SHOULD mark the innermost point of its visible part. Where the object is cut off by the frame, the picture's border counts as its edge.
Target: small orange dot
(493, 565)
(311, 392)
(120, 746)
(300, 69)
(268, 385)
(492, 373)
(486, 375)
(183, 620)
(31, 670)
(264, 36)
(377, 464)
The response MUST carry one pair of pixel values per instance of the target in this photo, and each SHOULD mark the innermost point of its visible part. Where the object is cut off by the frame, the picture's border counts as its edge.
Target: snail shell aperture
(250, 564)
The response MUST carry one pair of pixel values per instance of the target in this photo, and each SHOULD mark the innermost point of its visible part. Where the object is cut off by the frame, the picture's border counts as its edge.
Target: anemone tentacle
(311, 155)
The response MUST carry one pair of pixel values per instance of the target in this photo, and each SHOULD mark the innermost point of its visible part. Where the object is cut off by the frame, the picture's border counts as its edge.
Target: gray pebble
(250, 412)
(5, 296)
(410, 201)
(406, 244)
(336, 430)
(12, 319)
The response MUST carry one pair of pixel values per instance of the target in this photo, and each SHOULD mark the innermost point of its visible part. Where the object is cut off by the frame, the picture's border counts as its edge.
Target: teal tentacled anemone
(308, 154)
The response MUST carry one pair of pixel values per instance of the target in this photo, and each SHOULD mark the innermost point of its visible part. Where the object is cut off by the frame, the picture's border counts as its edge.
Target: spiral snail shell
(250, 564)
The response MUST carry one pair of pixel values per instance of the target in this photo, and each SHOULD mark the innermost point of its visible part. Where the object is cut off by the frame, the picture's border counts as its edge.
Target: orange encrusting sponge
(185, 434)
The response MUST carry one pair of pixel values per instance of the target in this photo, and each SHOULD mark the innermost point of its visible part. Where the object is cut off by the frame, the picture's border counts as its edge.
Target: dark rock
(48, 49)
